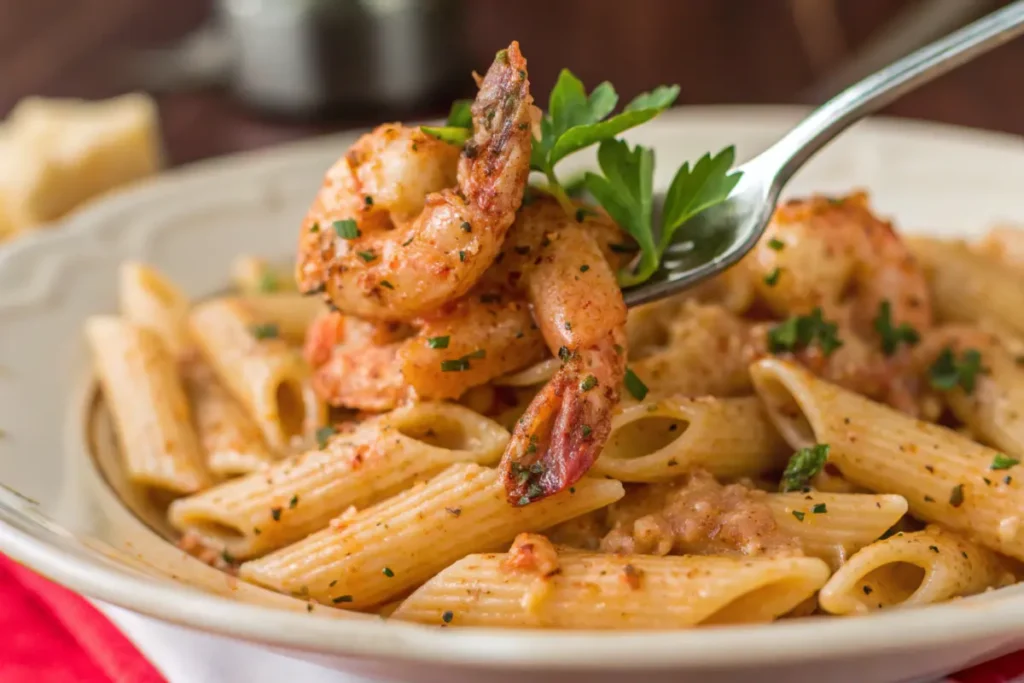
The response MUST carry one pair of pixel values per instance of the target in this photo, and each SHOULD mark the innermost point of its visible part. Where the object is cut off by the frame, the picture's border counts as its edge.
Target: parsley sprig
(803, 466)
(800, 331)
(575, 120)
(948, 373)
(459, 127)
(625, 189)
(893, 335)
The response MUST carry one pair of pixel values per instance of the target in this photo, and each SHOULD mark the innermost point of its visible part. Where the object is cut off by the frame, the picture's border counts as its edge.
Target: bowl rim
(992, 616)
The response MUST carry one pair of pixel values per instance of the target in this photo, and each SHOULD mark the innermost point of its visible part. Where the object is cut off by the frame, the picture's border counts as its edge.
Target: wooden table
(719, 51)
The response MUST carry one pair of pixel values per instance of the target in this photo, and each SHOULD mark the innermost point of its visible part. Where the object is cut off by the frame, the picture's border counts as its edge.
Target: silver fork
(720, 236)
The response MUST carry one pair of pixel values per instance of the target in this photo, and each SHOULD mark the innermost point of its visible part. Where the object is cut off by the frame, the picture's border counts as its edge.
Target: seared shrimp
(834, 253)
(579, 308)
(358, 364)
(836, 256)
(404, 224)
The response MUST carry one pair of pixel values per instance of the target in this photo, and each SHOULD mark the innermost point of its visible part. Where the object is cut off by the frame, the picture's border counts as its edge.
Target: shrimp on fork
(579, 308)
(404, 224)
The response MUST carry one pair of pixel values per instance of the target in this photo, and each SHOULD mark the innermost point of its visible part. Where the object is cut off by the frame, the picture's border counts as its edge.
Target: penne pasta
(383, 551)
(967, 287)
(290, 312)
(292, 498)
(915, 568)
(833, 526)
(1004, 244)
(662, 439)
(231, 440)
(267, 376)
(594, 591)
(945, 477)
(150, 300)
(148, 404)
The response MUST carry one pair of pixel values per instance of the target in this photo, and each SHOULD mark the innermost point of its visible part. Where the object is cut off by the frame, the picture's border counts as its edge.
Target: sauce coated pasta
(452, 420)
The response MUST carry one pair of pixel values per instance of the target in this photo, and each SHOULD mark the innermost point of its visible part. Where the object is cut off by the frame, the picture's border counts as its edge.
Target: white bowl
(60, 515)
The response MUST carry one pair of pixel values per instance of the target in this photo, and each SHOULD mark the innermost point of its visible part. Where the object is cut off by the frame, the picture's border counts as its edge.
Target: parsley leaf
(575, 121)
(802, 467)
(625, 190)
(460, 115)
(1003, 462)
(453, 135)
(265, 331)
(891, 336)
(635, 385)
(438, 342)
(800, 331)
(946, 373)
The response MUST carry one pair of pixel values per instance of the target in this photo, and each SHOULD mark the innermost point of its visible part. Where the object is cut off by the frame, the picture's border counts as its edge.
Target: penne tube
(383, 551)
(290, 312)
(294, 497)
(259, 368)
(662, 439)
(150, 300)
(151, 414)
(230, 439)
(945, 477)
(913, 568)
(833, 526)
(968, 287)
(254, 275)
(597, 591)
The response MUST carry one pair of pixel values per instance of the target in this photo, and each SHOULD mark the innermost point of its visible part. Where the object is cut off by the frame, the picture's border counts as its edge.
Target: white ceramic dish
(60, 516)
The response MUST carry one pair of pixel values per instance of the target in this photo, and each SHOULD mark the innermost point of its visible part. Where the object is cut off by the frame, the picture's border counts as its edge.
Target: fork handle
(887, 85)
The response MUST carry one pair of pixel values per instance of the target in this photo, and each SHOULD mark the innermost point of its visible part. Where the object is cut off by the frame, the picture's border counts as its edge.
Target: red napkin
(51, 635)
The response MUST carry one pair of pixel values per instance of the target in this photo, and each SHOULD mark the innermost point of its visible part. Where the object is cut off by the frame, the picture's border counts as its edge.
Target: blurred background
(232, 75)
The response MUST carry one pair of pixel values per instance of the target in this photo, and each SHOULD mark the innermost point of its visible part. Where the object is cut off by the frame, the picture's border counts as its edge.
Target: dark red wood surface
(719, 51)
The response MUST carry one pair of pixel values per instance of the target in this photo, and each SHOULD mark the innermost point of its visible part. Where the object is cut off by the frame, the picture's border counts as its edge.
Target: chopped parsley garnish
(276, 514)
(323, 436)
(347, 229)
(386, 284)
(776, 244)
(586, 431)
(803, 466)
(462, 256)
(341, 598)
(956, 496)
(447, 616)
(799, 515)
(408, 241)
(479, 353)
(455, 365)
(892, 336)
(1003, 462)
(867, 590)
(367, 255)
(773, 277)
(467, 226)
(799, 332)
(635, 386)
(934, 548)
(315, 227)
(947, 373)
(819, 509)
(564, 354)
(438, 342)
(584, 268)
(588, 383)
(293, 502)
(387, 572)
(265, 331)
(368, 200)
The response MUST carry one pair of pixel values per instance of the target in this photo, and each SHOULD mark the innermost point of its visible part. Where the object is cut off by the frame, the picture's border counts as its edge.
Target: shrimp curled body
(403, 223)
